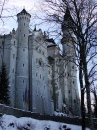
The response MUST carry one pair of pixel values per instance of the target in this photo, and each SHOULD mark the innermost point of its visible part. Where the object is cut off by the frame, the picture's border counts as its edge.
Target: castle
(40, 79)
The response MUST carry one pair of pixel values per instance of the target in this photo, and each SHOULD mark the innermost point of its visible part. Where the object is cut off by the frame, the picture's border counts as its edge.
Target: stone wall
(21, 113)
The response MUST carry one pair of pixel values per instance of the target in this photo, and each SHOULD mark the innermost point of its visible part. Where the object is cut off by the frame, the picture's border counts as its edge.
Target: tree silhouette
(4, 86)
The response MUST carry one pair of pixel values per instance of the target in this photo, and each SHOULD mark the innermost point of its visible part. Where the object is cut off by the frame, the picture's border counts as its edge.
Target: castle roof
(23, 12)
(67, 16)
(68, 21)
(51, 42)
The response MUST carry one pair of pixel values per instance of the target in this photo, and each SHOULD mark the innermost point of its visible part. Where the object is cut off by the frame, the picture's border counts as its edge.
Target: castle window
(20, 30)
(72, 67)
(13, 56)
(36, 60)
(36, 74)
(43, 52)
(14, 42)
(24, 35)
(23, 81)
(13, 70)
(43, 78)
(74, 101)
(2, 42)
(40, 76)
(24, 24)
(39, 51)
(68, 74)
(57, 79)
(23, 65)
(69, 91)
(49, 71)
(36, 48)
(73, 82)
(44, 87)
(13, 81)
(23, 50)
(57, 70)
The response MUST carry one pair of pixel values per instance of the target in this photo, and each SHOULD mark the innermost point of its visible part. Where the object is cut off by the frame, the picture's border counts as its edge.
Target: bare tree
(6, 13)
(83, 24)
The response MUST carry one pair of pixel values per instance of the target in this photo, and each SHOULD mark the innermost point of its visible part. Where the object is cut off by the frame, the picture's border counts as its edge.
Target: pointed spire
(23, 12)
(68, 20)
(35, 28)
(67, 16)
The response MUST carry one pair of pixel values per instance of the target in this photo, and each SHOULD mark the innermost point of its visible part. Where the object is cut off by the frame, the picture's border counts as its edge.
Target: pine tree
(4, 86)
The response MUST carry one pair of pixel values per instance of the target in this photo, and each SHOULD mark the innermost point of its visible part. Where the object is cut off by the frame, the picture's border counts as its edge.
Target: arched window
(23, 81)
(14, 42)
(74, 101)
(13, 70)
(13, 56)
(36, 74)
(73, 82)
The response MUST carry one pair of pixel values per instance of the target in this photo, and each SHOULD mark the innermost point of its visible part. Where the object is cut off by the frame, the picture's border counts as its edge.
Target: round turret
(22, 77)
(23, 14)
(23, 19)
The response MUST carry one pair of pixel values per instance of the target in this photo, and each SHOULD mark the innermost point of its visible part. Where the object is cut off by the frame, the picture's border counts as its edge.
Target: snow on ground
(8, 122)
(59, 114)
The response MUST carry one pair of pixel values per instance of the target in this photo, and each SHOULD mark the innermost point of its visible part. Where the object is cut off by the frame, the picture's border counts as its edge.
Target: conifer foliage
(4, 86)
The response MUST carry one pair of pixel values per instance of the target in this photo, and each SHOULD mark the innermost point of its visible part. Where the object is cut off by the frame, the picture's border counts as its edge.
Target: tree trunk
(83, 110)
(82, 96)
(90, 120)
(87, 85)
(95, 107)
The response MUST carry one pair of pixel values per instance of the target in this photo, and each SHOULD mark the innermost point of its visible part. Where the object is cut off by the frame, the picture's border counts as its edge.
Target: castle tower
(22, 81)
(71, 87)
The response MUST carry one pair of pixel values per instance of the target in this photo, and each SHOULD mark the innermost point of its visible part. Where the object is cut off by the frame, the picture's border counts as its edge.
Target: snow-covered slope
(8, 122)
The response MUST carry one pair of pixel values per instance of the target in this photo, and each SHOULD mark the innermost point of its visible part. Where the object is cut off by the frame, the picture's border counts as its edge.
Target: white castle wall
(53, 51)
(22, 81)
(40, 96)
(12, 69)
(34, 82)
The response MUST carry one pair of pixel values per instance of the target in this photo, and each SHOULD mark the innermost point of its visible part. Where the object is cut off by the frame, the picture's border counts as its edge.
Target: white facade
(40, 79)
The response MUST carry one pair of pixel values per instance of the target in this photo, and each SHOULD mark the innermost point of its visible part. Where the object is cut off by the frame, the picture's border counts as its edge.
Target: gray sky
(15, 6)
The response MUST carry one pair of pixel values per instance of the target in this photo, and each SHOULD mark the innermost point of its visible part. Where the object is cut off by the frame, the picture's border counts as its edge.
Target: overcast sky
(15, 6)
(32, 6)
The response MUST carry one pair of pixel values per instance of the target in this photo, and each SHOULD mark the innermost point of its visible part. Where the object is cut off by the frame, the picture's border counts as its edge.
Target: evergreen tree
(4, 86)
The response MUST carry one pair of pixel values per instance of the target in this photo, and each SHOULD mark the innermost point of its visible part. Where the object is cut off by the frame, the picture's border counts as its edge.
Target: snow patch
(8, 122)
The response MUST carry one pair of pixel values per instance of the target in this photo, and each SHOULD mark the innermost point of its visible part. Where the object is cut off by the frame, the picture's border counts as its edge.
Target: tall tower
(68, 42)
(22, 78)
